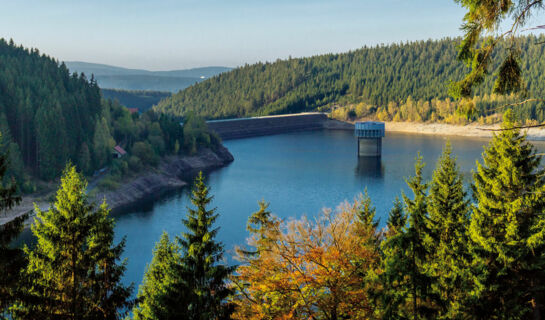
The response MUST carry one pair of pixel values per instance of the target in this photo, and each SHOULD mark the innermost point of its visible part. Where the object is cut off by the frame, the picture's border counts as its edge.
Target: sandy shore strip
(470, 130)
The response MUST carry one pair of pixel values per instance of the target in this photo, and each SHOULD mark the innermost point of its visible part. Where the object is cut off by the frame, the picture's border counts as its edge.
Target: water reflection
(370, 167)
(144, 208)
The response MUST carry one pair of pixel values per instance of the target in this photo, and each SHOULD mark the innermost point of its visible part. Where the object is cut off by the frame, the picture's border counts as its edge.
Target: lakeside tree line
(48, 116)
(381, 77)
(485, 109)
(442, 254)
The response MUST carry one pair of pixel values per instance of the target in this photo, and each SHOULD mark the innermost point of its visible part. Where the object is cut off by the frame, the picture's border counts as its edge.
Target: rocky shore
(172, 173)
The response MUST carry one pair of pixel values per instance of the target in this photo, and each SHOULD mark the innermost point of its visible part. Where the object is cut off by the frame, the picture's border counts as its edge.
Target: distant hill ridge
(380, 76)
(113, 77)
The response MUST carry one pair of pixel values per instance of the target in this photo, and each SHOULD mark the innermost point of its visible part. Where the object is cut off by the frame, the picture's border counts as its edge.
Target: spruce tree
(204, 277)
(366, 217)
(448, 237)
(419, 293)
(392, 288)
(366, 211)
(258, 224)
(73, 271)
(406, 279)
(157, 296)
(11, 259)
(396, 218)
(108, 292)
(508, 228)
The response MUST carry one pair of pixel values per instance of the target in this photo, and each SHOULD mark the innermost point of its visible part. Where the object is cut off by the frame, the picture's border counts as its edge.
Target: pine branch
(534, 28)
(517, 127)
(518, 103)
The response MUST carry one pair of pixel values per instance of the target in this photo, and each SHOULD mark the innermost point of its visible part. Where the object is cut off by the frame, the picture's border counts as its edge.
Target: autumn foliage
(307, 269)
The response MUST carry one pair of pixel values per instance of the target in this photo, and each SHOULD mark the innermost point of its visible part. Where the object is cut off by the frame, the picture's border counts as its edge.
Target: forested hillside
(374, 76)
(49, 117)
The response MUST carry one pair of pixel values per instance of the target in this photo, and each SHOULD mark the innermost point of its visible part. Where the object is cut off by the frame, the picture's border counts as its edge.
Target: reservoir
(298, 174)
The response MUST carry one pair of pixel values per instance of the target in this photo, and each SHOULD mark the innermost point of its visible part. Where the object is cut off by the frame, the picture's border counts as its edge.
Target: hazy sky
(177, 34)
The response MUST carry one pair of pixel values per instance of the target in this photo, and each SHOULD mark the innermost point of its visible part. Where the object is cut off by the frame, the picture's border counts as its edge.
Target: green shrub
(119, 168)
(145, 152)
(109, 183)
(135, 164)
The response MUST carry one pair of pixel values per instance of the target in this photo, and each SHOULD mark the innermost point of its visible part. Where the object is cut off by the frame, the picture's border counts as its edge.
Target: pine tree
(201, 269)
(73, 271)
(11, 259)
(508, 228)
(448, 237)
(422, 299)
(157, 297)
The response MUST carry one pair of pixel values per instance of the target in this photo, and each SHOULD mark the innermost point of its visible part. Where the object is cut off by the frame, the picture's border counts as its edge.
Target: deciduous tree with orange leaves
(306, 269)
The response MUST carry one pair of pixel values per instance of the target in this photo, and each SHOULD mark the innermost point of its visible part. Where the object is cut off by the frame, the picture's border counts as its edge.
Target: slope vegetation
(374, 76)
(49, 117)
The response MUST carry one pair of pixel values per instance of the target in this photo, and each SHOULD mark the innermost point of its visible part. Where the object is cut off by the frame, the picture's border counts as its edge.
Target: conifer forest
(454, 244)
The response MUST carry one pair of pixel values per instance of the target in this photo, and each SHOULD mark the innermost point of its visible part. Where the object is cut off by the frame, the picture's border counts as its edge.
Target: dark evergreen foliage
(396, 217)
(143, 100)
(507, 229)
(448, 239)
(204, 276)
(74, 270)
(158, 297)
(12, 260)
(186, 279)
(420, 280)
(366, 212)
(50, 113)
(51, 117)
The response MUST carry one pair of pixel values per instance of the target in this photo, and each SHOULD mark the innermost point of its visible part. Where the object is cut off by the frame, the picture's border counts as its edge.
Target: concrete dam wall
(261, 126)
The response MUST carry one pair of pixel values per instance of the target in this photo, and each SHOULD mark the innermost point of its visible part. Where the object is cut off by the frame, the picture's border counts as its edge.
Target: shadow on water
(25, 238)
(145, 206)
(370, 167)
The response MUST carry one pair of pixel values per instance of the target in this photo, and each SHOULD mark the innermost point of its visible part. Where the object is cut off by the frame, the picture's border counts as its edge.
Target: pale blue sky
(177, 34)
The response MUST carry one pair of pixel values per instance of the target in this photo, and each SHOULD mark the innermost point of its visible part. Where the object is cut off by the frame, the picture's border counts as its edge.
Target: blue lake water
(298, 174)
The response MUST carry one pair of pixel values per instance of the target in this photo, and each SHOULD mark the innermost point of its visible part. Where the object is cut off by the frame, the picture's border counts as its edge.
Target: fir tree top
(396, 217)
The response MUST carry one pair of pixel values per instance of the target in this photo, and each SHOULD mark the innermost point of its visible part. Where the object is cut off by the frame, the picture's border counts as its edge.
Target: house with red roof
(118, 152)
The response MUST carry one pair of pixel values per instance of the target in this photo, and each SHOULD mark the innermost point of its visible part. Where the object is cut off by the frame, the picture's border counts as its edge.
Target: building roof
(120, 150)
(370, 125)
(133, 110)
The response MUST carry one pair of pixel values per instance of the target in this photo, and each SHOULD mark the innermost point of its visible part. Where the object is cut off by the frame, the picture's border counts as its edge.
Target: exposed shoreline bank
(471, 130)
(172, 173)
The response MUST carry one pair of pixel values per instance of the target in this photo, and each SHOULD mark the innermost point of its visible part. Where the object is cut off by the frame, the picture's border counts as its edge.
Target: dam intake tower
(369, 134)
